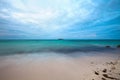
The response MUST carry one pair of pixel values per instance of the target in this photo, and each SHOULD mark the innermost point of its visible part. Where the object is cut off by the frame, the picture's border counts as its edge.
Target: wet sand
(60, 67)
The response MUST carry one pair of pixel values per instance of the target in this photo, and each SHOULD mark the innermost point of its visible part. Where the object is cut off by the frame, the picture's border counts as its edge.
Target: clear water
(8, 47)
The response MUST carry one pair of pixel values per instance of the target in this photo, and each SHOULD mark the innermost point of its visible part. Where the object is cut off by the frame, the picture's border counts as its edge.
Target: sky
(53, 19)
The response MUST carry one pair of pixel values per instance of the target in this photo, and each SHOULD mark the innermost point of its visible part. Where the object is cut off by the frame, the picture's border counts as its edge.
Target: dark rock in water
(118, 46)
(96, 73)
(108, 46)
(105, 70)
(103, 78)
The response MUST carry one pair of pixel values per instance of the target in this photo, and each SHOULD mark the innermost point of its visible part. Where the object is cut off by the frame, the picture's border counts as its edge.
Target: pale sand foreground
(34, 67)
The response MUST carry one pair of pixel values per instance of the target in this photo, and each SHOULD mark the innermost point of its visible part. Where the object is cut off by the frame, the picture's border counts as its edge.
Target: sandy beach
(60, 67)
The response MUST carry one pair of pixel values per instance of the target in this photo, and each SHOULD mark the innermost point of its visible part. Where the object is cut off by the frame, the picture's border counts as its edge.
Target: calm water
(8, 47)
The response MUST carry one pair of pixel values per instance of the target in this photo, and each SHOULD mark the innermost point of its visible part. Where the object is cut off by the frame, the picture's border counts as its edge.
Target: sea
(68, 47)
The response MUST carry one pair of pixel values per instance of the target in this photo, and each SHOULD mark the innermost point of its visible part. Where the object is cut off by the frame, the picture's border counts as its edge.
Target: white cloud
(3, 16)
(36, 18)
(51, 9)
(51, 15)
(4, 13)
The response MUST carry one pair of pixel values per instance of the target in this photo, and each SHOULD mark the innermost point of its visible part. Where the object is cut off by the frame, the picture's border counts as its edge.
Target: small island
(60, 39)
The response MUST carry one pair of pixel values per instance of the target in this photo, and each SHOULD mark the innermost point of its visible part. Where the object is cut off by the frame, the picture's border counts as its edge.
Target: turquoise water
(60, 46)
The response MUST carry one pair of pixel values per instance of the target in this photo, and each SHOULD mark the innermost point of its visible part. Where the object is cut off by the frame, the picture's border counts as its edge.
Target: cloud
(55, 18)
(62, 11)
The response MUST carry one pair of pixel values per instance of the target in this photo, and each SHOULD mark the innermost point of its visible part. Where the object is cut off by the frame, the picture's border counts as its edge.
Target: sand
(60, 67)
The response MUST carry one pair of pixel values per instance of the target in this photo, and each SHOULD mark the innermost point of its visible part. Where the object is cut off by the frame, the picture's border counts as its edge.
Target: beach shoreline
(60, 67)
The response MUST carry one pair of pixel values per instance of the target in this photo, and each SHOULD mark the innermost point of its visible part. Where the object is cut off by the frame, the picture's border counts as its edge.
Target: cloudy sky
(52, 19)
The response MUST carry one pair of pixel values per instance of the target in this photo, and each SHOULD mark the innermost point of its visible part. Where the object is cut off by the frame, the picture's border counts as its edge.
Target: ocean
(11, 47)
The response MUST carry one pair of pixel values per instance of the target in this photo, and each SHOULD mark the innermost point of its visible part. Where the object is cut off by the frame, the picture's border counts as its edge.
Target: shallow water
(9, 47)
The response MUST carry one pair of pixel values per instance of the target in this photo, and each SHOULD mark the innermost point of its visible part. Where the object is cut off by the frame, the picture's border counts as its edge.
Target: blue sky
(52, 19)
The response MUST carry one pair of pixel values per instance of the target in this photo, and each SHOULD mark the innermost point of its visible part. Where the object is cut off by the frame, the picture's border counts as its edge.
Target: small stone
(106, 76)
(96, 73)
(103, 78)
(105, 70)
(113, 68)
(92, 62)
